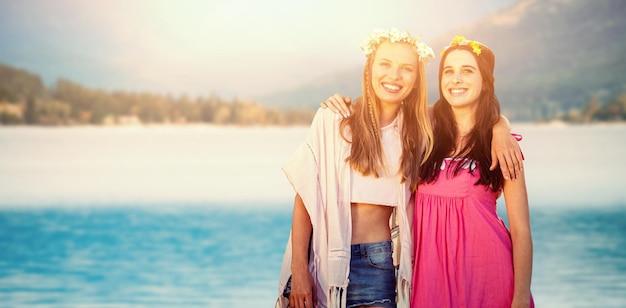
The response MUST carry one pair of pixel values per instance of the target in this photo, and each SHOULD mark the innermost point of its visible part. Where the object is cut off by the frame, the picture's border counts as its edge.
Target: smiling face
(394, 72)
(461, 81)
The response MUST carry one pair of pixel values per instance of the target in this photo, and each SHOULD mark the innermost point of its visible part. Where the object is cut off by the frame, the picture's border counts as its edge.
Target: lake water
(198, 216)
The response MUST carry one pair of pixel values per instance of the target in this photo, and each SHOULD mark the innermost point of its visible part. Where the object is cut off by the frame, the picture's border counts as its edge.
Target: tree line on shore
(594, 111)
(25, 100)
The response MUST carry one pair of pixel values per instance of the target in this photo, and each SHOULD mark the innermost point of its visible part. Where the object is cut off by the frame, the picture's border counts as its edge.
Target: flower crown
(394, 36)
(460, 41)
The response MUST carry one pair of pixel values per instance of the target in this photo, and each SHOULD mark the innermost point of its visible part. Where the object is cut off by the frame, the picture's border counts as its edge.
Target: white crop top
(384, 190)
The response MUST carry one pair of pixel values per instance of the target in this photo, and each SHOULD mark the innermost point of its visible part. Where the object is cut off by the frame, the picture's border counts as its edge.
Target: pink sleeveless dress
(463, 250)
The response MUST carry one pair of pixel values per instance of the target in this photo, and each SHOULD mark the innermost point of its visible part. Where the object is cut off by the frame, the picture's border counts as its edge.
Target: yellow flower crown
(394, 36)
(460, 41)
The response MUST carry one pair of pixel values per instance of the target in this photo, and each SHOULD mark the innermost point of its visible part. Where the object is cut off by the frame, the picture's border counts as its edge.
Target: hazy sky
(199, 47)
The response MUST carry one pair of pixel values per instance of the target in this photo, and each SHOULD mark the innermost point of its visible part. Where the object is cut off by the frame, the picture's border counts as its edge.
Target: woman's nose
(394, 73)
(457, 79)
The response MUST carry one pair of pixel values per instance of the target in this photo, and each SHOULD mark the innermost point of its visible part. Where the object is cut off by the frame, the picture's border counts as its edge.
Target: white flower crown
(377, 36)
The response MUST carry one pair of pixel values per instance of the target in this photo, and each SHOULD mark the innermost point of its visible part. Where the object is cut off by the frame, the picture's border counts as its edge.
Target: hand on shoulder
(338, 104)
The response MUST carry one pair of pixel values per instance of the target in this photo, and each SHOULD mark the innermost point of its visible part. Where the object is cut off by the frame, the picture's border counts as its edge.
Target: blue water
(181, 216)
(200, 257)
(579, 257)
(140, 257)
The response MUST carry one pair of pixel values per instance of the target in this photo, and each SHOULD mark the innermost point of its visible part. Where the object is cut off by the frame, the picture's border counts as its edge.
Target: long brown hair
(363, 126)
(478, 145)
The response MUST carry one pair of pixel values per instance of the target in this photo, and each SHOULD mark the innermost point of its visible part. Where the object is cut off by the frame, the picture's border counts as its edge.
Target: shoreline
(211, 125)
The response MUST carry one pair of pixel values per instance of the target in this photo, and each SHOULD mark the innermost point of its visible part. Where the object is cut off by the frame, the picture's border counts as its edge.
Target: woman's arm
(516, 198)
(302, 286)
(505, 150)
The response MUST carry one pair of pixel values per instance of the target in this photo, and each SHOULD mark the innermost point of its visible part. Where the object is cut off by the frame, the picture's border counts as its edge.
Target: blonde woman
(353, 178)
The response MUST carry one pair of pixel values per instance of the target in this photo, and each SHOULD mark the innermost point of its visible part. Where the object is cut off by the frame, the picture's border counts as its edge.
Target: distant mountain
(309, 95)
(551, 56)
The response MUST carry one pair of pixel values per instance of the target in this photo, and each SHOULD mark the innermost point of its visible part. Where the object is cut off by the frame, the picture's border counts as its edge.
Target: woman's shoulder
(327, 116)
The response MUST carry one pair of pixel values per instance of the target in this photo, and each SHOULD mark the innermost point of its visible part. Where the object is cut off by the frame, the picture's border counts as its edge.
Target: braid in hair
(370, 104)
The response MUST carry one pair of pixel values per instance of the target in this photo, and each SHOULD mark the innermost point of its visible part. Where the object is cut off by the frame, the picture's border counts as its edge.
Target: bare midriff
(370, 223)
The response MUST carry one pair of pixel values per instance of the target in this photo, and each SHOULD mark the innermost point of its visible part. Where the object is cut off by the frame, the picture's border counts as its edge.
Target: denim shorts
(372, 276)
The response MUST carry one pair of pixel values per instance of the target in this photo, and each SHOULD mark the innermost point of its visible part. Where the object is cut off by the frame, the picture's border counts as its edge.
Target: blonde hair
(366, 155)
